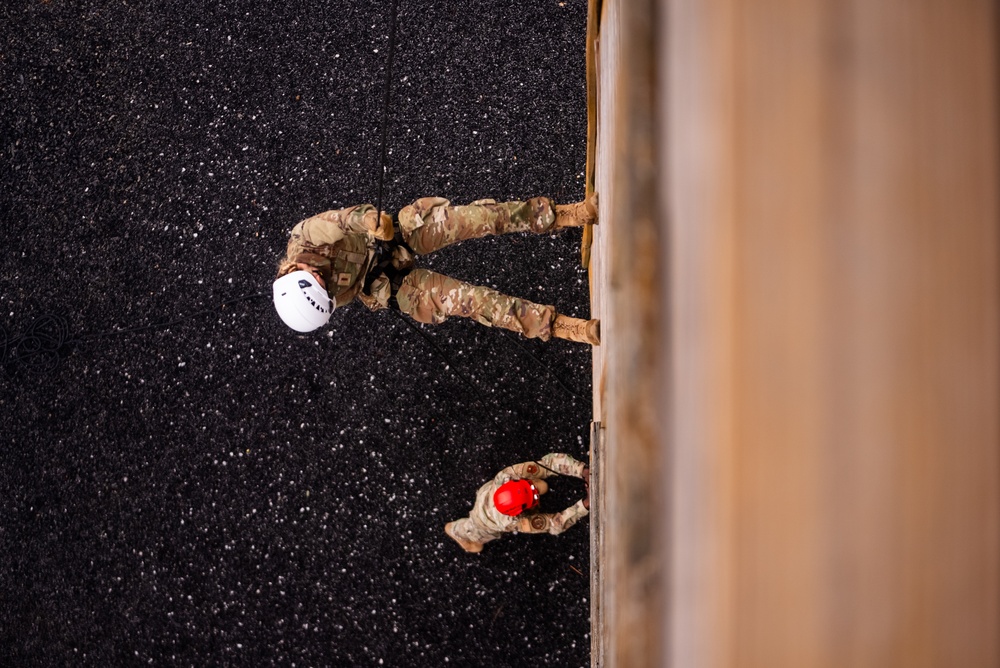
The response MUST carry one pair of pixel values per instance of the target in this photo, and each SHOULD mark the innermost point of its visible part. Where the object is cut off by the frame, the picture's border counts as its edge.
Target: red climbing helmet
(514, 497)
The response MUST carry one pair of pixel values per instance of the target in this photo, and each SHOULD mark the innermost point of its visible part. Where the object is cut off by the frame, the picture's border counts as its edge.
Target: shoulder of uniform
(314, 259)
(536, 523)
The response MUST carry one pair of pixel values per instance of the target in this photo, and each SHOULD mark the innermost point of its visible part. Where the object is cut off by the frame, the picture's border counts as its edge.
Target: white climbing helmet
(302, 303)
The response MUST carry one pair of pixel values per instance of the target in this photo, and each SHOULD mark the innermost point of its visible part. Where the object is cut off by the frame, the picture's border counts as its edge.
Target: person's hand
(586, 475)
(385, 229)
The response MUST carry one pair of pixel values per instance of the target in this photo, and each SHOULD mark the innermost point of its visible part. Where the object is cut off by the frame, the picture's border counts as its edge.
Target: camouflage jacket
(340, 245)
(485, 514)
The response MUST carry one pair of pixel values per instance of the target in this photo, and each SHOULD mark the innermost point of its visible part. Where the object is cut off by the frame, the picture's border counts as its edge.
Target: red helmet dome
(514, 497)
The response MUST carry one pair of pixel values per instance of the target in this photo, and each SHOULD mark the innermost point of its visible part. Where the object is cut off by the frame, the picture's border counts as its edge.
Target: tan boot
(576, 214)
(467, 545)
(577, 329)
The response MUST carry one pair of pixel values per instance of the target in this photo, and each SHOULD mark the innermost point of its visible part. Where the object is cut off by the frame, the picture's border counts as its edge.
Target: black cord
(41, 348)
(449, 364)
(503, 428)
(385, 109)
(169, 323)
(512, 338)
(38, 349)
(468, 381)
(546, 467)
(393, 11)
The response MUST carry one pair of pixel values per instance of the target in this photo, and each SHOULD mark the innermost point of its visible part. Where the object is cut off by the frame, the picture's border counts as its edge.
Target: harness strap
(382, 266)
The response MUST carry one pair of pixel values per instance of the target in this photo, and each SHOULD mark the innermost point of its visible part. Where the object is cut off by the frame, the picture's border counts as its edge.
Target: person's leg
(431, 223)
(468, 534)
(430, 297)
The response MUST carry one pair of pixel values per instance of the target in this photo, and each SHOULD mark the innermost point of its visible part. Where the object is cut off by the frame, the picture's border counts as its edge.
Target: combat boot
(467, 545)
(577, 329)
(576, 214)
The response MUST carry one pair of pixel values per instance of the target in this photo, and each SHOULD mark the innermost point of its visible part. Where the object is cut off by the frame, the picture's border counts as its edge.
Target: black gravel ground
(225, 492)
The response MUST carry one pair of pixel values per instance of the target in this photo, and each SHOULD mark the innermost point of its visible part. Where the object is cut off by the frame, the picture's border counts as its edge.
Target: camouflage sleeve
(358, 219)
(553, 523)
(563, 464)
(522, 470)
(508, 473)
(323, 229)
(331, 226)
(551, 464)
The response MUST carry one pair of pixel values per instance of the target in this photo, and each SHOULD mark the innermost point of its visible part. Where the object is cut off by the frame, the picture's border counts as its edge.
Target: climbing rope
(47, 339)
(387, 89)
(385, 108)
(38, 349)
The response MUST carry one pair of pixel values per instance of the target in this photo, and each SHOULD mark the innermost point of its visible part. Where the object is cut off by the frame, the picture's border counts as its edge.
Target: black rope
(378, 200)
(169, 323)
(393, 11)
(546, 467)
(449, 364)
(47, 340)
(38, 349)
(385, 109)
(544, 367)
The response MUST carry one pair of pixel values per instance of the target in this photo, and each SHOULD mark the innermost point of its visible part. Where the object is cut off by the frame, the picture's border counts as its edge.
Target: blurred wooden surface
(797, 272)
(627, 278)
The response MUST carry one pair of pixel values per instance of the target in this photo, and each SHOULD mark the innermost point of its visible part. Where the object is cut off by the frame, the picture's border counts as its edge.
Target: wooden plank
(606, 63)
(599, 621)
(597, 271)
(593, 35)
(626, 272)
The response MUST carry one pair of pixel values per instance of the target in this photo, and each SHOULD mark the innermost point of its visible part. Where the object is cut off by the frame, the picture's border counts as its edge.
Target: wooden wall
(798, 272)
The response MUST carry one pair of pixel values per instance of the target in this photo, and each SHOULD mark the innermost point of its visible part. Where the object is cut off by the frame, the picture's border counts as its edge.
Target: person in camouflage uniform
(353, 255)
(486, 522)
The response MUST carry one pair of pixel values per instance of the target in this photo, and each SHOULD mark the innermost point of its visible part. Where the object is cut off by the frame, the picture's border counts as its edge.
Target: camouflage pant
(432, 223)
(468, 530)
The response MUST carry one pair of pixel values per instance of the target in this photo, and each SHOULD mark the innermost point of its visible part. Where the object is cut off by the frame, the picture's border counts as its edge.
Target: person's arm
(329, 227)
(554, 463)
(361, 219)
(523, 470)
(553, 523)
(563, 464)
